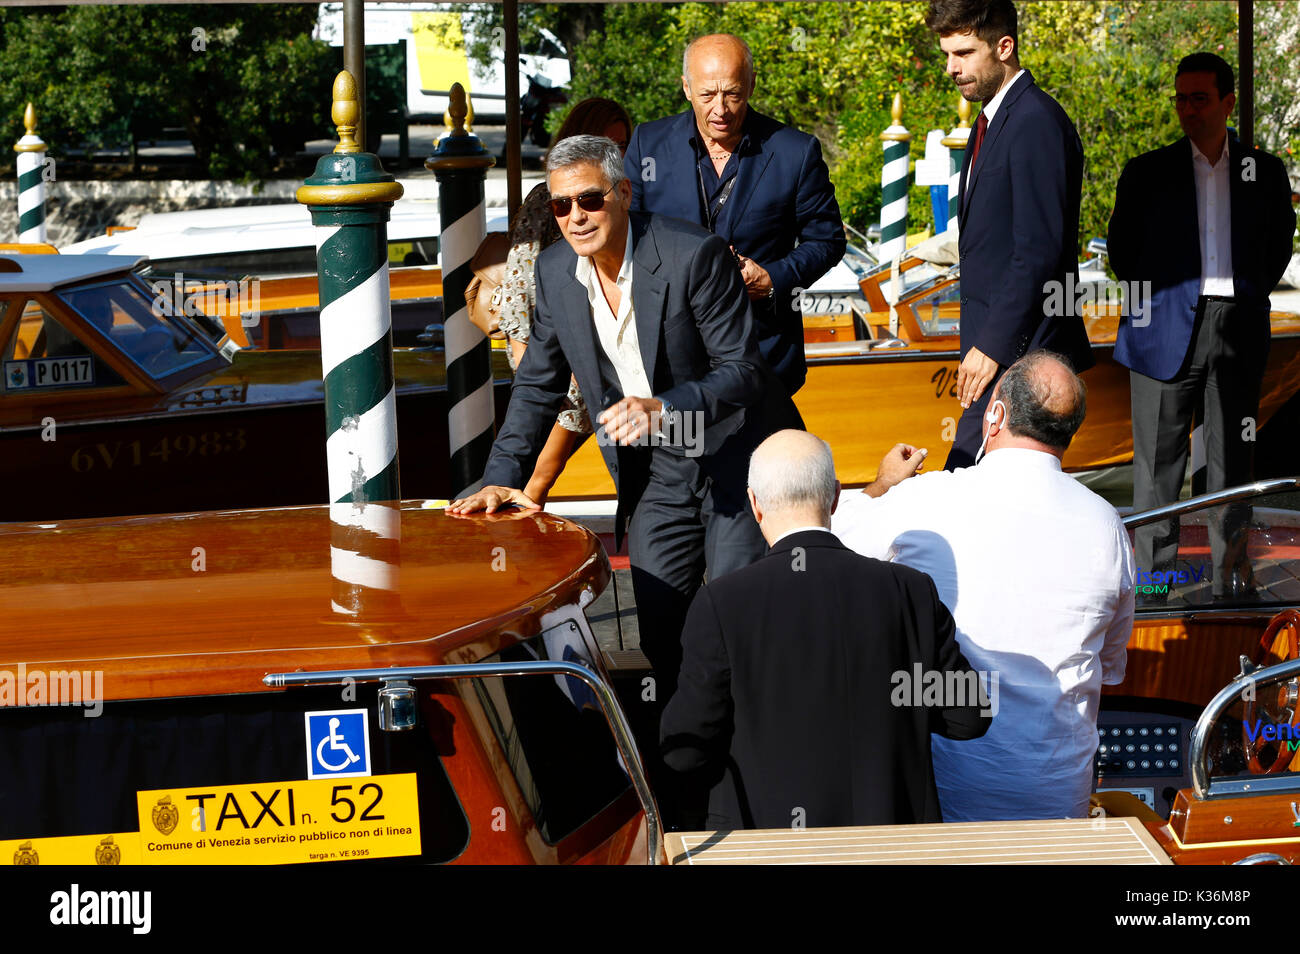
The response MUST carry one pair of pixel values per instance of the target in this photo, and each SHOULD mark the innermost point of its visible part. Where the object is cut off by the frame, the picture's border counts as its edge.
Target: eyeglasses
(1199, 100)
(588, 202)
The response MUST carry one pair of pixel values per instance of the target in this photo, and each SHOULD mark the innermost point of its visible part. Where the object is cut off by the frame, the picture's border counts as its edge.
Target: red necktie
(981, 124)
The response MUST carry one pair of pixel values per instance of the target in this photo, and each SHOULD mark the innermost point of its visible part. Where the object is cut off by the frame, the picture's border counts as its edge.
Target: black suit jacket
(784, 215)
(1019, 225)
(1154, 237)
(697, 344)
(785, 700)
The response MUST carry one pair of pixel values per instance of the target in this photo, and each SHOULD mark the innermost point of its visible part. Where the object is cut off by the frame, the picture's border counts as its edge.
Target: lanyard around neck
(712, 212)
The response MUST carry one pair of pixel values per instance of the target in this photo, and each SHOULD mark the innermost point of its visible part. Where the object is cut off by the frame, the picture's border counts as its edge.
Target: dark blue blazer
(784, 215)
(1154, 237)
(1019, 227)
(697, 344)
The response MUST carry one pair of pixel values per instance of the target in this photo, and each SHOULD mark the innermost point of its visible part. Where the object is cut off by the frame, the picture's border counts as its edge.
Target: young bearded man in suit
(651, 313)
(1202, 229)
(802, 696)
(761, 185)
(1018, 218)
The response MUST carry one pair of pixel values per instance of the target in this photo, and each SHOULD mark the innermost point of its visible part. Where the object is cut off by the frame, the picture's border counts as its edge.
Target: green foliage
(241, 79)
(630, 61)
(832, 69)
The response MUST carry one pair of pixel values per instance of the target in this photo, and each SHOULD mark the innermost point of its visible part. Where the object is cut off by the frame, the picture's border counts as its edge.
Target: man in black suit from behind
(796, 703)
(1018, 217)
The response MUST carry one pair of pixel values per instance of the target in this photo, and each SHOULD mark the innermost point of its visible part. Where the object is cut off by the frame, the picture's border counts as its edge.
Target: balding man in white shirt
(1037, 571)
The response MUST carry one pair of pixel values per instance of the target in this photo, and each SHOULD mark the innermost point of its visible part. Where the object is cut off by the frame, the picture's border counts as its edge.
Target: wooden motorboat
(111, 405)
(882, 361)
(456, 655)
(155, 642)
(879, 375)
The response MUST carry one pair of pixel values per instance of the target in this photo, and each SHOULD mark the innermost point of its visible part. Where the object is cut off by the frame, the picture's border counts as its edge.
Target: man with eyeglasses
(1202, 229)
(650, 313)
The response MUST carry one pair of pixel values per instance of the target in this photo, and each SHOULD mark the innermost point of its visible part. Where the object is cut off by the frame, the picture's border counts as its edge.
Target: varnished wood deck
(1083, 841)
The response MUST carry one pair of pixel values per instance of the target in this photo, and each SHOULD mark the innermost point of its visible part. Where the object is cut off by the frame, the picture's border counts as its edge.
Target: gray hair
(686, 54)
(595, 150)
(800, 480)
(1034, 409)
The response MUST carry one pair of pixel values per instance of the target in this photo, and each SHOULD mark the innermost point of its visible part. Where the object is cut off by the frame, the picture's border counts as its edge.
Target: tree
(241, 79)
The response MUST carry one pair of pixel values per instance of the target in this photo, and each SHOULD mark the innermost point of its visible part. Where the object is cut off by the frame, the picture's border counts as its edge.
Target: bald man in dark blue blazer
(760, 184)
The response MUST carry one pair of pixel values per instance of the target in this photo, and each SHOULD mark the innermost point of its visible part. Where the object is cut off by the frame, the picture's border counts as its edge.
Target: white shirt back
(1038, 574)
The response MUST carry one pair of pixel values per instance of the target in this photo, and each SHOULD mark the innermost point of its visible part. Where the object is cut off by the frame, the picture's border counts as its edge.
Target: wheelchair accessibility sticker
(338, 743)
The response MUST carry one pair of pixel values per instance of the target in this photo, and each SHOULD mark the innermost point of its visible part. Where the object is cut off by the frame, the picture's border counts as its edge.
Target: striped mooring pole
(894, 181)
(350, 196)
(31, 181)
(956, 143)
(460, 163)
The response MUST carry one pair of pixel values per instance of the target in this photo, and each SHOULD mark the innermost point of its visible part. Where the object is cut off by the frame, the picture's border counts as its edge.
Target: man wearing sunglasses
(1204, 228)
(651, 313)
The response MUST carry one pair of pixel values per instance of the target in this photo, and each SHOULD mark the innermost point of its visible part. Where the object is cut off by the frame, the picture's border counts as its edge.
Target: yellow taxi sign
(281, 822)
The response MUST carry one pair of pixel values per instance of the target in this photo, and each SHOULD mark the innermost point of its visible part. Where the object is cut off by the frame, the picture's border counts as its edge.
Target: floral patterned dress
(534, 229)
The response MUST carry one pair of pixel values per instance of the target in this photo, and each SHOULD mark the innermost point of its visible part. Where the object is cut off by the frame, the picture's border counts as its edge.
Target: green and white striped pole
(350, 196)
(956, 143)
(894, 181)
(460, 163)
(31, 181)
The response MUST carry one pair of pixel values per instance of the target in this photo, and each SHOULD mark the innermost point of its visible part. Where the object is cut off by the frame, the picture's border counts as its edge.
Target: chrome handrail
(1209, 500)
(1217, 706)
(609, 705)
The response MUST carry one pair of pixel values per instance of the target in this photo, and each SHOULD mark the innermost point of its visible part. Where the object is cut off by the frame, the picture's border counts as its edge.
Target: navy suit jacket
(1019, 225)
(1154, 237)
(784, 215)
(697, 343)
(786, 699)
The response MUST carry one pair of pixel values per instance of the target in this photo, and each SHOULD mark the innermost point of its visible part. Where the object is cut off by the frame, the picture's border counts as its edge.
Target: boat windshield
(939, 312)
(140, 327)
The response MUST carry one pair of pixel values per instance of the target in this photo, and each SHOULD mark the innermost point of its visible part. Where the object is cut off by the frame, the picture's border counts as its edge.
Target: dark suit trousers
(684, 521)
(970, 429)
(1224, 369)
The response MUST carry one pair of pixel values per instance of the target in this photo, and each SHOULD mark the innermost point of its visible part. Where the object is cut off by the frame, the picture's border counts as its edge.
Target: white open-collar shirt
(1214, 221)
(617, 333)
(1038, 574)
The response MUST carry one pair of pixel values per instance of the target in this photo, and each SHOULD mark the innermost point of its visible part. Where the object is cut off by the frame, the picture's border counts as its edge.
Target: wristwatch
(666, 415)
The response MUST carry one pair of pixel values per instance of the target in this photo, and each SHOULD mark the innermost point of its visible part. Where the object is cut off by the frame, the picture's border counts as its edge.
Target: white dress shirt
(1037, 572)
(991, 109)
(1214, 221)
(617, 333)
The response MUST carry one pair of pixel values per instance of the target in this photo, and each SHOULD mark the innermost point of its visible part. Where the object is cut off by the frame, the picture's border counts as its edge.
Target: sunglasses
(588, 202)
